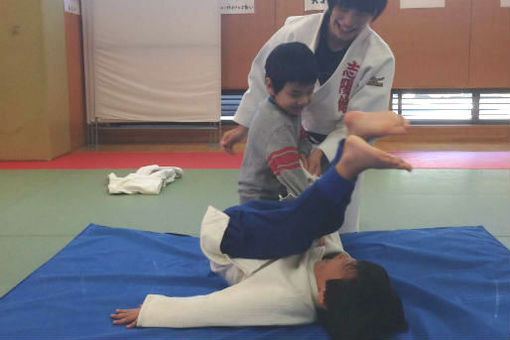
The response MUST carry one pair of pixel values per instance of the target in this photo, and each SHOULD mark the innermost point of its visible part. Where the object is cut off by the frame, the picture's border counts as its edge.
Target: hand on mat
(313, 165)
(126, 316)
(232, 137)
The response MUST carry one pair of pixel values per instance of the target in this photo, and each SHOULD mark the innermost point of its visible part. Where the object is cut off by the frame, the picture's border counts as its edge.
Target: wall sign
(316, 5)
(237, 6)
(72, 6)
(422, 3)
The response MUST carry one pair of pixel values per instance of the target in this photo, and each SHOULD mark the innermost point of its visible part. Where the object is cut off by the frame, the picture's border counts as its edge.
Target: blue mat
(454, 282)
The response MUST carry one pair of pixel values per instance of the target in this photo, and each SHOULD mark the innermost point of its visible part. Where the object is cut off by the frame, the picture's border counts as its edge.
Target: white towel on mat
(147, 180)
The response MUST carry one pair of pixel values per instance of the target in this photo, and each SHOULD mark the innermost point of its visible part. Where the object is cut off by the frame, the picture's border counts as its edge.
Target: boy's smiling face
(293, 97)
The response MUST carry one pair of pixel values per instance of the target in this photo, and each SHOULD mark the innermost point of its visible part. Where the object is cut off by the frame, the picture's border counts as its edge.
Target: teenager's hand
(232, 137)
(314, 162)
(126, 316)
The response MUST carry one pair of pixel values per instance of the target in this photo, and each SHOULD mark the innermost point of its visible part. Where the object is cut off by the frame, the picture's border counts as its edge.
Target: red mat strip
(124, 160)
(219, 160)
(457, 159)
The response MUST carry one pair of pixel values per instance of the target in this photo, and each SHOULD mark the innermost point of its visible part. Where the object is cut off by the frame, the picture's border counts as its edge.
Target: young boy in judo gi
(285, 262)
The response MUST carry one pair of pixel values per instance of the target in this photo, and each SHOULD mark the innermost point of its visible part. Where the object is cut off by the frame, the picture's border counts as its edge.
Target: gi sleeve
(373, 94)
(256, 92)
(283, 160)
(252, 302)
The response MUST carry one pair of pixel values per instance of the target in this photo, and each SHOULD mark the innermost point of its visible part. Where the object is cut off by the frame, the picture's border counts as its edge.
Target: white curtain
(152, 60)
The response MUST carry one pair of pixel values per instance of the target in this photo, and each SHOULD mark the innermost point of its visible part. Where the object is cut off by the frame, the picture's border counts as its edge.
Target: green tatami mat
(21, 255)
(42, 210)
(437, 198)
(63, 202)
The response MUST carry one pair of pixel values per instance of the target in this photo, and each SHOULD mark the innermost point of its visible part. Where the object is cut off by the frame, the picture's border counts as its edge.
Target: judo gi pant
(272, 229)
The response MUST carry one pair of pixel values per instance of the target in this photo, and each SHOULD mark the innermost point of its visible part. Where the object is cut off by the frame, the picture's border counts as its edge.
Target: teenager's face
(345, 24)
(293, 97)
(339, 267)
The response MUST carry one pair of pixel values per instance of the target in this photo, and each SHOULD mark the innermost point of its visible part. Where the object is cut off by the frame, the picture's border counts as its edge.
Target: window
(230, 100)
(453, 107)
(426, 106)
(435, 106)
(494, 106)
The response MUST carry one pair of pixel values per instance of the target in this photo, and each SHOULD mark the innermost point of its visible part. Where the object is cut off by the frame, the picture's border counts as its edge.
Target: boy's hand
(232, 137)
(314, 162)
(304, 160)
(126, 316)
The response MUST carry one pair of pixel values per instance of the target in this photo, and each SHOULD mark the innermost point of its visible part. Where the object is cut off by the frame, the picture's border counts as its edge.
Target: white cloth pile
(147, 180)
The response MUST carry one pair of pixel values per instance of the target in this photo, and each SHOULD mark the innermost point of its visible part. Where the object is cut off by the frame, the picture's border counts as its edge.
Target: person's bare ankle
(346, 166)
(370, 125)
(345, 171)
(358, 156)
(350, 120)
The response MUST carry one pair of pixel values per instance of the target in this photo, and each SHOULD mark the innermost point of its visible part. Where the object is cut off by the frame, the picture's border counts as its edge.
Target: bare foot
(358, 156)
(375, 124)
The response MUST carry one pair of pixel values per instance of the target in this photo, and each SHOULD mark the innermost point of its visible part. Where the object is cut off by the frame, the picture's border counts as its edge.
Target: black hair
(375, 7)
(363, 308)
(291, 62)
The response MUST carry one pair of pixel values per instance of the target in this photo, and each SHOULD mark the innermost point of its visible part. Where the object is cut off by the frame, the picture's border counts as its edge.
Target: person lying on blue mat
(286, 265)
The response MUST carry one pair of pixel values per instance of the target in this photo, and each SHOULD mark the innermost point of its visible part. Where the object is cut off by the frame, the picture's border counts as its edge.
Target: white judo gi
(262, 292)
(361, 82)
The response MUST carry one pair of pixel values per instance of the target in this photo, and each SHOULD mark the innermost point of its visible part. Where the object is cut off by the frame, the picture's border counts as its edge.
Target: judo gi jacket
(262, 292)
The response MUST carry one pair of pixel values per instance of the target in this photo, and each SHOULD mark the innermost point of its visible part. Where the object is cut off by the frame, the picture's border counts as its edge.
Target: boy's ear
(269, 86)
(321, 299)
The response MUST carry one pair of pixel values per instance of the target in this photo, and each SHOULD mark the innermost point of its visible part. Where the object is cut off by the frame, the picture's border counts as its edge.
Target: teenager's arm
(253, 302)
(257, 92)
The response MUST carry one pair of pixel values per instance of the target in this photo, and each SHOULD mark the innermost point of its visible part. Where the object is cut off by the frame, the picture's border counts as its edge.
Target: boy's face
(345, 24)
(293, 97)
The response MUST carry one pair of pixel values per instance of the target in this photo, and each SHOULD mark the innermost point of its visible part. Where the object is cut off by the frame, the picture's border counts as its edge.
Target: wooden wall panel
(33, 88)
(74, 51)
(431, 46)
(490, 45)
(241, 38)
(287, 8)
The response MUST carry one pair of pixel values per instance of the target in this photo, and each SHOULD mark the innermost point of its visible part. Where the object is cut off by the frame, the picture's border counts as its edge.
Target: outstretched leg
(269, 229)
(369, 125)
(358, 156)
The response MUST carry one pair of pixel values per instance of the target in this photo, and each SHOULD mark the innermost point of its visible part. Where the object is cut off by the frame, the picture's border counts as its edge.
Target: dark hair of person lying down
(363, 308)
(375, 7)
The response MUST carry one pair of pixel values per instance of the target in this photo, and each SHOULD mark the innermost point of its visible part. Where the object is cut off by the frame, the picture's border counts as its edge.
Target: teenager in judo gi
(356, 69)
(285, 263)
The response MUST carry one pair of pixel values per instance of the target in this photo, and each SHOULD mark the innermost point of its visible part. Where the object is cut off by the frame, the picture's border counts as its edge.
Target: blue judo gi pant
(275, 229)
